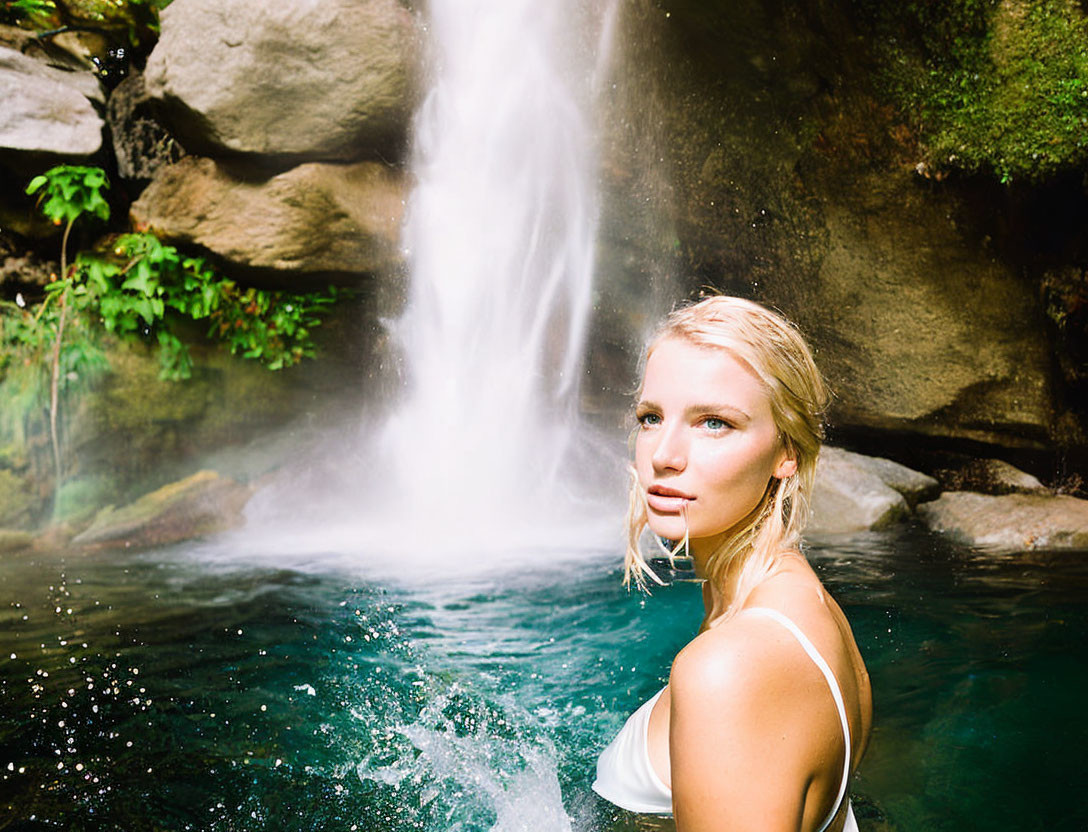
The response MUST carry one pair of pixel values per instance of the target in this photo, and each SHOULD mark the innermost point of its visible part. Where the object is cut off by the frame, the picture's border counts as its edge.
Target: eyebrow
(721, 409)
(729, 410)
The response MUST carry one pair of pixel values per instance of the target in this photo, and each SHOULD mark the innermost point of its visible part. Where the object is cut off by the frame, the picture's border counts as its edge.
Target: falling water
(500, 239)
(483, 449)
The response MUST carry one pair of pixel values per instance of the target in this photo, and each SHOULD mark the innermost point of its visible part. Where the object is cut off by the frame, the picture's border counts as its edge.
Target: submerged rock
(1010, 522)
(201, 504)
(855, 493)
(315, 218)
(48, 110)
(298, 79)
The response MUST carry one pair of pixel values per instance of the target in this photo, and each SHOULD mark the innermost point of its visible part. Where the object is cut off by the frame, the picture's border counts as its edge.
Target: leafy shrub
(138, 287)
(143, 284)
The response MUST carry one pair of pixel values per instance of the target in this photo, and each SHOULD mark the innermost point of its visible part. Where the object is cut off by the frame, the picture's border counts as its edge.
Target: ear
(787, 466)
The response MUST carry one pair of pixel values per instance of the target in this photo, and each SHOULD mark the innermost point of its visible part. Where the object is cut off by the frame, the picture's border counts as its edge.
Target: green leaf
(142, 307)
(140, 280)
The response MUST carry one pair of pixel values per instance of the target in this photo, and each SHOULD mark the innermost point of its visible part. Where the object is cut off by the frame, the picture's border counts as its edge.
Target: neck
(720, 591)
(718, 596)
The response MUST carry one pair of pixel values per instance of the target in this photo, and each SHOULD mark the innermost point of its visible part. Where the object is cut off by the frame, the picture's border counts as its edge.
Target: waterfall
(500, 236)
(482, 449)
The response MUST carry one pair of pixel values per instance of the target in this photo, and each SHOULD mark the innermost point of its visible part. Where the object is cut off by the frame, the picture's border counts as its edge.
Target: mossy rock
(13, 540)
(132, 424)
(995, 87)
(201, 504)
(794, 185)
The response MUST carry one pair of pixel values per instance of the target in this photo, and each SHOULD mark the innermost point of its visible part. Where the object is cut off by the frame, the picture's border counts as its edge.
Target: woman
(768, 709)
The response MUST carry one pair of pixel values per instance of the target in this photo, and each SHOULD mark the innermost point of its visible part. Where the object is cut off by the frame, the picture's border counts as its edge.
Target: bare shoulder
(740, 658)
(741, 748)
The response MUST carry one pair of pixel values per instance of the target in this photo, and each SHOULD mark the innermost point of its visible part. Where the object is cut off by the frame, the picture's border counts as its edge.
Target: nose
(670, 452)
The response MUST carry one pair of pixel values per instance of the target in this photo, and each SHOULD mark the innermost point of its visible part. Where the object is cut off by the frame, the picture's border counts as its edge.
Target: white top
(626, 777)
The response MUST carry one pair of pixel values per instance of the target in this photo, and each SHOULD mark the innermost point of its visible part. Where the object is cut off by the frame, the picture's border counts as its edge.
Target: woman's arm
(741, 732)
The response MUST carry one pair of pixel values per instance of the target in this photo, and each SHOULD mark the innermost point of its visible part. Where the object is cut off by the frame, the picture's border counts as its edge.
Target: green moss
(79, 498)
(997, 87)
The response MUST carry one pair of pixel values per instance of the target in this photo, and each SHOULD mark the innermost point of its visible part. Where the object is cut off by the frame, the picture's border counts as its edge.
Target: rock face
(330, 80)
(1009, 523)
(317, 218)
(140, 144)
(855, 493)
(47, 110)
(791, 184)
(895, 341)
(201, 504)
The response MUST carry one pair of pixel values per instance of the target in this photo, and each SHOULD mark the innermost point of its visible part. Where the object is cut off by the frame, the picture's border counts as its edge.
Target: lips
(666, 500)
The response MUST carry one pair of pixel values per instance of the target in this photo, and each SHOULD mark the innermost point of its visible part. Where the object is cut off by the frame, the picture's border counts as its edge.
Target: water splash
(522, 793)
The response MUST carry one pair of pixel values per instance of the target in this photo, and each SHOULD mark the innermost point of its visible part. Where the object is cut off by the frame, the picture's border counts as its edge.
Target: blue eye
(649, 420)
(713, 423)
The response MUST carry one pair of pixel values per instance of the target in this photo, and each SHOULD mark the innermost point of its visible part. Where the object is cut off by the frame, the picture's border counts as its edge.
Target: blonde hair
(776, 352)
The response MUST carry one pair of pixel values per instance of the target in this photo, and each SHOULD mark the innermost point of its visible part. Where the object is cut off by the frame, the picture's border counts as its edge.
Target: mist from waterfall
(500, 238)
(482, 448)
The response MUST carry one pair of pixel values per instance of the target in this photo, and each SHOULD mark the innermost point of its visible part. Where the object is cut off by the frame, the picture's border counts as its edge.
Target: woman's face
(707, 445)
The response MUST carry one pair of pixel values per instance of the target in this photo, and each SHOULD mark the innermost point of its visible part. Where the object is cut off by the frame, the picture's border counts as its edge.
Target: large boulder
(917, 328)
(852, 492)
(48, 110)
(913, 485)
(330, 80)
(317, 218)
(1011, 522)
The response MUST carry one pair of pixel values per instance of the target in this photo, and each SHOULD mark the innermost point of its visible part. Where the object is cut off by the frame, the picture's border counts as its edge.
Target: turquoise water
(166, 691)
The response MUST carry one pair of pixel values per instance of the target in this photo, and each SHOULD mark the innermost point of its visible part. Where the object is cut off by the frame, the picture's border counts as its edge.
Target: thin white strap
(836, 694)
(648, 709)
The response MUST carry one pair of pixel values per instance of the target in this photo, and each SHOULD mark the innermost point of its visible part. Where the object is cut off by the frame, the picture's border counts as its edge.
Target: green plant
(67, 192)
(35, 13)
(138, 287)
(146, 284)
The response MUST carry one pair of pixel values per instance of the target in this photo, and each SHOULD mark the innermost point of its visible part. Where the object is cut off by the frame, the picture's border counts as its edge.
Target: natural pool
(185, 689)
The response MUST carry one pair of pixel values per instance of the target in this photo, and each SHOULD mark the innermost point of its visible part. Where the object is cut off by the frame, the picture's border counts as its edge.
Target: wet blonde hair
(777, 354)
